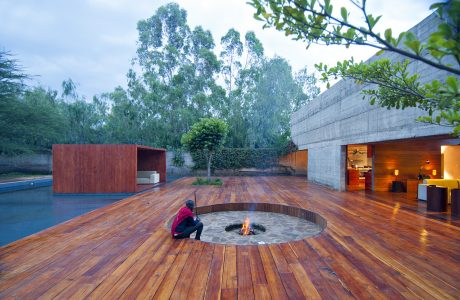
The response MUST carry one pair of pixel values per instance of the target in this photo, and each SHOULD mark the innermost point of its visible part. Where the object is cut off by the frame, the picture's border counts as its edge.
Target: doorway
(359, 166)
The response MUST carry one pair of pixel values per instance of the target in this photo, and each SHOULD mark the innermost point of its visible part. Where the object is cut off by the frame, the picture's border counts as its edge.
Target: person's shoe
(197, 239)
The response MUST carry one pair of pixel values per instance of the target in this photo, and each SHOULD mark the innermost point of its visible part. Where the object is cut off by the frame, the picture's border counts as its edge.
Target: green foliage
(237, 158)
(398, 89)
(178, 159)
(206, 136)
(11, 76)
(175, 85)
(202, 181)
(31, 122)
(315, 22)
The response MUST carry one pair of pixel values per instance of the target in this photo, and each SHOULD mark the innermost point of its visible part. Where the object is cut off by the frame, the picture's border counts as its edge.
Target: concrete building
(342, 131)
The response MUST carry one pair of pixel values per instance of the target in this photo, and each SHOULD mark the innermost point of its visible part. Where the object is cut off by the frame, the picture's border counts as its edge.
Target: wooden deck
(370, 249)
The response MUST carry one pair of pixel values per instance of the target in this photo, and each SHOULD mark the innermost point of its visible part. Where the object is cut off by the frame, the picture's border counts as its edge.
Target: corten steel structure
(103, 168)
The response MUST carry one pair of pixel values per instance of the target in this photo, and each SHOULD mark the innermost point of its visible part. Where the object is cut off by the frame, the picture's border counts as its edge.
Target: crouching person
(184, 224)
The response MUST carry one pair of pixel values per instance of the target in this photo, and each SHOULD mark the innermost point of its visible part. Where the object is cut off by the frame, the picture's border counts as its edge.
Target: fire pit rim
(293, 211)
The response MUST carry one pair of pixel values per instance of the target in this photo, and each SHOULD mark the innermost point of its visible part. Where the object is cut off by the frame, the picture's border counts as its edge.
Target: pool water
(26, 212)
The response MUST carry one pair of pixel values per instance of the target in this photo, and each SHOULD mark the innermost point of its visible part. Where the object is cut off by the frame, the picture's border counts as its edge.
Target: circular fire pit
(266, 223)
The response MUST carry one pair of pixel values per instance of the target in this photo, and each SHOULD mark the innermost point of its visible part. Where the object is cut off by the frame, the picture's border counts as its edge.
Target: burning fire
(245, 230)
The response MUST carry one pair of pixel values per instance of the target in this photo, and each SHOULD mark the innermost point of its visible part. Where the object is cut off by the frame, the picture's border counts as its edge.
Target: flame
(245, 228)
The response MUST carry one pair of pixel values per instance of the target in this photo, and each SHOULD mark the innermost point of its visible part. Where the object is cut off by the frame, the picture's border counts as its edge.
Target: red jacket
(183, 214)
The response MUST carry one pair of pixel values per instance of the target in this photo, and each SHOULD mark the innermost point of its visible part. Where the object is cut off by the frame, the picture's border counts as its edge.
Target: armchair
(147, 177)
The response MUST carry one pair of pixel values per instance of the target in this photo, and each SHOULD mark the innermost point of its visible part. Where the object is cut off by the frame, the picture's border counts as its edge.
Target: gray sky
(93, 41)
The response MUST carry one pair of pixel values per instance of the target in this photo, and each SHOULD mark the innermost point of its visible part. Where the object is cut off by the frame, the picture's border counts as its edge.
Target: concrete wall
(340, 116)
(28, 163)
(182, 171)
(42, 163)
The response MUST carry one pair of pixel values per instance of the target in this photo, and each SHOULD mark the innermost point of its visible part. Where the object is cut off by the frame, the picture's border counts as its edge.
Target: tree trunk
(209, 166)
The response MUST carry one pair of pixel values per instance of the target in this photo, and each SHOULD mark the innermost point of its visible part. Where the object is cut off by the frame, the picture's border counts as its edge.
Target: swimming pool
(26, 212)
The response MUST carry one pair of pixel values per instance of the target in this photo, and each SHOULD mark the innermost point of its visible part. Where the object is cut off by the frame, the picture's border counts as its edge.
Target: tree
(31, 122)
(275, 96)
(316, 22)
(206, 136)
(177, 85)
(11, 76)
(232, 49)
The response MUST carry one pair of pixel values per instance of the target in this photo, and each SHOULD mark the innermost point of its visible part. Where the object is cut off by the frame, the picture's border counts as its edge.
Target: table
(397, 187)
(436, 198)
(455, 198)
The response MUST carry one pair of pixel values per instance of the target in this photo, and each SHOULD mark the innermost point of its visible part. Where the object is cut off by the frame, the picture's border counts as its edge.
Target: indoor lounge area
(359, 167)
(422, 174)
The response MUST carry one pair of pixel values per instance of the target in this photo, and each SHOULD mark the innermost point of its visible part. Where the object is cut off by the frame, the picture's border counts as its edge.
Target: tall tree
(31, 122)
(11, 76)
(177, 86)
(317, 22)
(232, 49)
(276, 95)
(241, 66)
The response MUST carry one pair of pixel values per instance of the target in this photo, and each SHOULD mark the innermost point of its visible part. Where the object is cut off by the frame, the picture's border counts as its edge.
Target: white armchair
(147, 177)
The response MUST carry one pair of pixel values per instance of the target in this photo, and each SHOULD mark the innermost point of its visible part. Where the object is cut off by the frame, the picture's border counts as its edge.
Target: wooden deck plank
(200, 281)
(214, 283)
(245, 276)
(229, 277)
(275, 284)
(376, 245)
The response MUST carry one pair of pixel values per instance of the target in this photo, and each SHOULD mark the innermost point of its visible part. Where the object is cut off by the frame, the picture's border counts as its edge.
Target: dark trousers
(198, 227)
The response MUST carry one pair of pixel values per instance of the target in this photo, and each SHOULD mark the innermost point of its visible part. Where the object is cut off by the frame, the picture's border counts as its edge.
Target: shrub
(237, 158)
(202, 181)
(178, 159)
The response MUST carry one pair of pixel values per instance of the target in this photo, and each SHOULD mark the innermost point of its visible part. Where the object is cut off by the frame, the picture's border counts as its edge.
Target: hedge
(237, 158)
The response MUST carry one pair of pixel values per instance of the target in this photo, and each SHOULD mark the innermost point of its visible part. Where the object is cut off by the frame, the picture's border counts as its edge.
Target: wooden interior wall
(406, 156)
(94, 168)
(451, 157)
(297, 160)
(152, 160)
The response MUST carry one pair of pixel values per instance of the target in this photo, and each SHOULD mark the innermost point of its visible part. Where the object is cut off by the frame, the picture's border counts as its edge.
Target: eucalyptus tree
(176, 86)
(277, 93)
(11, 76)
(241, 62)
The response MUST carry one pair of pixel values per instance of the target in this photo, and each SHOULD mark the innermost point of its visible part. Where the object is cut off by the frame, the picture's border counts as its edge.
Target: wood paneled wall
(407, 156)
(297, 160)
(94, 168)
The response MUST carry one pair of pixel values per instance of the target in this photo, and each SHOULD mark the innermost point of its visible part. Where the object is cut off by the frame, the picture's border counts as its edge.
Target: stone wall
(339, 116)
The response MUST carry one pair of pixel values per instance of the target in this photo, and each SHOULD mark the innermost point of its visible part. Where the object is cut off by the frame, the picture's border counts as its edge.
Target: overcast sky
(93, 41)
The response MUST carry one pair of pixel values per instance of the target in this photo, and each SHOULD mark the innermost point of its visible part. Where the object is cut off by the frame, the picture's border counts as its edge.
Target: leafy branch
(314, 22)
